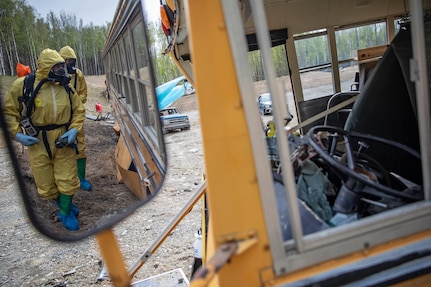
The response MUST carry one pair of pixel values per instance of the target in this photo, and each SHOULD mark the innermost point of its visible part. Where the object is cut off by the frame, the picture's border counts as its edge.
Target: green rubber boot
(81, 163)
(67, 217)
(65, 202)
(73, 208)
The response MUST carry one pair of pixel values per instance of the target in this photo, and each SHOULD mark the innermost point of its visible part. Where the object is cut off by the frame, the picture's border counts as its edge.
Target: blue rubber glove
(25, 139)
(70, 135)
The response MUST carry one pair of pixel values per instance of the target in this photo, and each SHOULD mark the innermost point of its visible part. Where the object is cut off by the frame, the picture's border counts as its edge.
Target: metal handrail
(328, 105)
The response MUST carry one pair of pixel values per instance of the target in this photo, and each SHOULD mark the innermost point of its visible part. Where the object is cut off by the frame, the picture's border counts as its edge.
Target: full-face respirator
(58, 74)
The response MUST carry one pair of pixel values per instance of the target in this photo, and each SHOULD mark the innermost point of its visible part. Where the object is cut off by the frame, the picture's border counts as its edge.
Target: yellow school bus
(332, 188)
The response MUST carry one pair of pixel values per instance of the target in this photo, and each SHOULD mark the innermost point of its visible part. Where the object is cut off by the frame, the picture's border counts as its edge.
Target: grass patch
(5, 83)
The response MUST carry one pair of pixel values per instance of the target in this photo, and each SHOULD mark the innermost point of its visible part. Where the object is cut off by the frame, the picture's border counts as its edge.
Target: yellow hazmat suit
(55, 112)
(77, 80)
(80, 85)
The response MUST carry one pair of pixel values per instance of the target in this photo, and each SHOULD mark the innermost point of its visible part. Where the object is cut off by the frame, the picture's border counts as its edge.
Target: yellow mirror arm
(113, 258)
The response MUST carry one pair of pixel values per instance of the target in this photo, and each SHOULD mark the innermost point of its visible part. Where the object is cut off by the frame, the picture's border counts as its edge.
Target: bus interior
(348, 173)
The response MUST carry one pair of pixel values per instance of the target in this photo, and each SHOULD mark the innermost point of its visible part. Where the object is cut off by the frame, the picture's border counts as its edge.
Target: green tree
(23, 35)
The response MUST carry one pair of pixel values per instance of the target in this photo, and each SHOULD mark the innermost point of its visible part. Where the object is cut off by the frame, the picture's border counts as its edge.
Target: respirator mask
(58, 73)
(71, 66)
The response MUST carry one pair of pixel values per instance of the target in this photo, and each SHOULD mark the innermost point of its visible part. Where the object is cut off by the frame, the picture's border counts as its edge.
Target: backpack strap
(69, 91)
(30, 102)
(28, 86)
(26, 92)
(29, 95)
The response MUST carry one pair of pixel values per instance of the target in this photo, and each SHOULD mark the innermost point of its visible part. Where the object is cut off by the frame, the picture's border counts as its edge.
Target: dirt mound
(187, 103)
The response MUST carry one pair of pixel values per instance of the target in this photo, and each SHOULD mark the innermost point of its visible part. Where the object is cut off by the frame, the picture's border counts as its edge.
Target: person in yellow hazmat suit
(78, 82)
(47, 124)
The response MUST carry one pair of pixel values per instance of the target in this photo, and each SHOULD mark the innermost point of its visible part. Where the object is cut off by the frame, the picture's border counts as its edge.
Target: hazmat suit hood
(67, 53)
(70, 57)
(47, 59)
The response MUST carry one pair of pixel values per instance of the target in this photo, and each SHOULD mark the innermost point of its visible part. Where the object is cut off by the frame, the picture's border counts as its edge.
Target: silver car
(264, 103)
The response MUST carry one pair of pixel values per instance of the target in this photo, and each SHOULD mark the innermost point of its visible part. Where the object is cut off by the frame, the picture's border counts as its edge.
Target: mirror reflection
(87, 158)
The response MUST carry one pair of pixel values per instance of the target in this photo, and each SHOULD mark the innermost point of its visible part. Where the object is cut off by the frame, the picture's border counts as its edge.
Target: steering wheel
(350, 171)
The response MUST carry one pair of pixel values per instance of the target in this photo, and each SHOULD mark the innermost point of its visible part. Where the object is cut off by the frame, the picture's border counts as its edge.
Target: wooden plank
(371, 54)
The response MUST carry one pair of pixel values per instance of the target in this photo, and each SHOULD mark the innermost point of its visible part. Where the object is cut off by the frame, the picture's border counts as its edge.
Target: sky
(99, 12)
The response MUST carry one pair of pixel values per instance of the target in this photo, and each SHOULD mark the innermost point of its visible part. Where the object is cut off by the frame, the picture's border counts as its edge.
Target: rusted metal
(205, 273)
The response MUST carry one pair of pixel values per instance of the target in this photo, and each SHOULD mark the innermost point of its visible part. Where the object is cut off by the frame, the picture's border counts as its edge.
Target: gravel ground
(27, 258)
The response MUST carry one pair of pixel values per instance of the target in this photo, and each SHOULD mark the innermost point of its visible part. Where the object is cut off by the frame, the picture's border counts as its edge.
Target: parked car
(172, 119)
(264, 103)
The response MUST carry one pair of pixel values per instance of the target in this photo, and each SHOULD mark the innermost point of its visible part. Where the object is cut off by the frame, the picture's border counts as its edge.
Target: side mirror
(134, 154)
(106, 204)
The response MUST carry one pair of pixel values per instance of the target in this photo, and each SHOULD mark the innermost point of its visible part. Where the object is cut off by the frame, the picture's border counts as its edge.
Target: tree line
(314, 51)
(23, 35)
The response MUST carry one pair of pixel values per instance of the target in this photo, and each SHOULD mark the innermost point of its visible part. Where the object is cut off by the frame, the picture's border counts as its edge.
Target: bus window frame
(303, 251)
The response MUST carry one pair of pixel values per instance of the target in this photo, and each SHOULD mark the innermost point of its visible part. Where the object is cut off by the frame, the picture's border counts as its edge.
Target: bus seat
(338, 118)
(355, 85)
(386, 106)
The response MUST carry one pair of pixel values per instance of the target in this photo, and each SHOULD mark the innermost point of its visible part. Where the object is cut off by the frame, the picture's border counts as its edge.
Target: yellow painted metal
(187, 207)
(113, 258)
(189, 78)
(171, 4)
(233, 195)
(421, 281)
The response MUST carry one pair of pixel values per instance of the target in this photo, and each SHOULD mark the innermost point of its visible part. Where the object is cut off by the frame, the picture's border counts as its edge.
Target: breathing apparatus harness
(27, 100)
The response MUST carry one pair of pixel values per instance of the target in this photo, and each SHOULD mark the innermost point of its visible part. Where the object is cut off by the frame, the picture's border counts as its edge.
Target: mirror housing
(136, 155)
